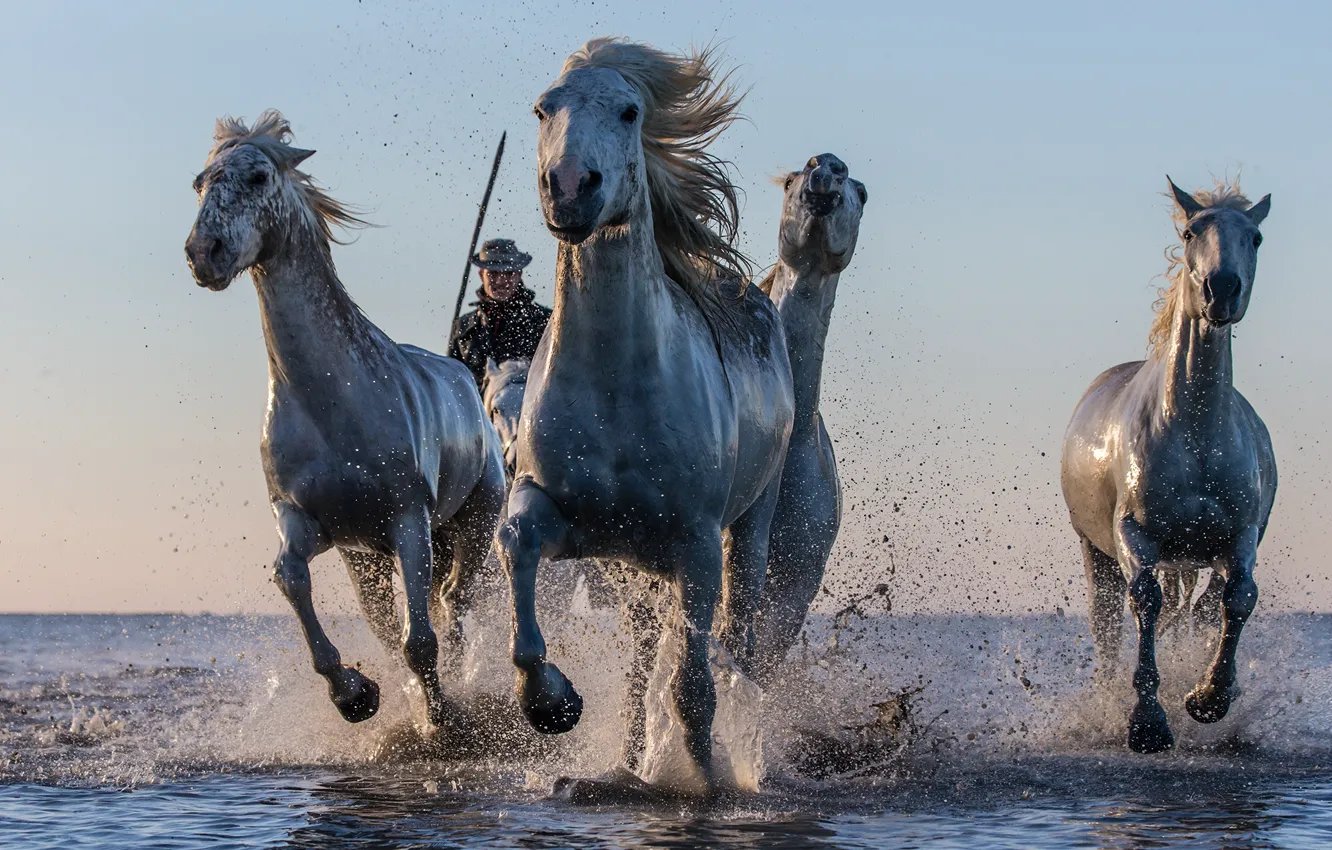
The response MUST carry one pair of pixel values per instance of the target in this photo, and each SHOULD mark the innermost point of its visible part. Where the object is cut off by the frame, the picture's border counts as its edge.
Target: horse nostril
(592, 181)
(1223, 284)
(216, 252)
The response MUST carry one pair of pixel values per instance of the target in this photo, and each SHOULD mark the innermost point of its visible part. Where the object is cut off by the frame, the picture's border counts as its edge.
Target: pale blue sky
(1014, 155)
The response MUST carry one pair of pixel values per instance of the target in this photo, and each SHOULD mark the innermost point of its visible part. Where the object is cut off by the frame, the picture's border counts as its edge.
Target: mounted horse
(1167, 466)
(380, 450)
(659, 403)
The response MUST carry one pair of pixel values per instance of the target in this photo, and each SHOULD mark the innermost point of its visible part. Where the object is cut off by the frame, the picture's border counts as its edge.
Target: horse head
(821, 216)
(1220, 258)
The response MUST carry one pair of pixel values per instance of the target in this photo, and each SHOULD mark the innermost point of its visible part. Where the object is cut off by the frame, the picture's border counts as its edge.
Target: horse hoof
(356, 696)
(440, 712)
(1149, 732)
(1208, 705)
(617, 788)
(549, 700)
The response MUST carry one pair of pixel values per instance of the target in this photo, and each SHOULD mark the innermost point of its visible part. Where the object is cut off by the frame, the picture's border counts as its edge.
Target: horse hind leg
(745, 565)
(1207, 610)
(1177, 594)
(463, 543)
(355, 695)
(1106, 589)
(372, 579)
(412, 543)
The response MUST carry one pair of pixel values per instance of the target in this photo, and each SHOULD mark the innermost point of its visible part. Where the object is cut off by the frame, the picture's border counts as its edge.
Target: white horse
(817, 238)
(659, 402)
(1166, 465)
(378, 449)
(502, 394)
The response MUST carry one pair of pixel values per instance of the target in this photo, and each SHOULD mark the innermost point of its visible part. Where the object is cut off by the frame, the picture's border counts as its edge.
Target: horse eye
(1257, 239)
(790, 178)
(198, 184)
(259, 178)
(540, 116)
(1187, 234)
(629, 115)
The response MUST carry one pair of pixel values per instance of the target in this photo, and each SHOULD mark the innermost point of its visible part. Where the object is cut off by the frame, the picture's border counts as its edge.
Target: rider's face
(501, 285)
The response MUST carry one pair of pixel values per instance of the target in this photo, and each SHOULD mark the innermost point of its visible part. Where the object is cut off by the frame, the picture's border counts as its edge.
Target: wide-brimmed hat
(500, 255)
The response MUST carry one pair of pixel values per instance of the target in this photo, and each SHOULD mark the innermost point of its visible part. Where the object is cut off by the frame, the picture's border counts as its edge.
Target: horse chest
(1199, 496)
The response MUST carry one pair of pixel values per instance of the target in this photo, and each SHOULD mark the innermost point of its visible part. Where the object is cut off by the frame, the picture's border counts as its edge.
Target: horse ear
(1259, 211)
(492, 368)
(295, 156)
(1186, 202)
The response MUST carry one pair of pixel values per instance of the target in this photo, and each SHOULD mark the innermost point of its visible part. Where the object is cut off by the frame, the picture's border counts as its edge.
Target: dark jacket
(501, 330)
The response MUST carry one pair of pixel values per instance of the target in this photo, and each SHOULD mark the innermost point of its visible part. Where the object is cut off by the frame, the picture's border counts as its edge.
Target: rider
(507, 323)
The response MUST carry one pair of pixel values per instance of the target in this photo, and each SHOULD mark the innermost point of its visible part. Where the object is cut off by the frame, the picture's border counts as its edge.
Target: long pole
(476, 234)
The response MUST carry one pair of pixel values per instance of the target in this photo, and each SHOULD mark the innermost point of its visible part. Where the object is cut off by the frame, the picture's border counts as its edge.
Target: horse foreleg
(745, 565)
(533, 526)
(697, 576)
(355, 695)
(645, 635)
(1106, 589)
(372, 578)
(411, 541)
(1210, 701)
(1149, 731)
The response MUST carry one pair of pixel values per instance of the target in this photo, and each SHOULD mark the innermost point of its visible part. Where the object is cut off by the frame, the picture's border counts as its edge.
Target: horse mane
(687, 103)
(271, 133)
(1225, 194)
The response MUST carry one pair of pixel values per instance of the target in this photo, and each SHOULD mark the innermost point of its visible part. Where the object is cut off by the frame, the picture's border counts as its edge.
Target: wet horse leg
(1149, 731)
(411, 540)
(372, 578)
(745, 565)
(468, 535)
(697, 577)
(534, 527)
(1210, 701)
(355, 695)
(1106, 589)
(645, 631)
(1207, 610)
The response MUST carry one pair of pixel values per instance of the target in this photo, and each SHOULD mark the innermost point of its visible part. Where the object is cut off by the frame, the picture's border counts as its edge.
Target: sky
(1011, 249)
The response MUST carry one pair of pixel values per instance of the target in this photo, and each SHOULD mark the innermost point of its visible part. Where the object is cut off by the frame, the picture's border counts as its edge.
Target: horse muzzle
(210, 262)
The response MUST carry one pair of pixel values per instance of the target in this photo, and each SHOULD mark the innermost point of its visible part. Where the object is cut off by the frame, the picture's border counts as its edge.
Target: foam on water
(128, 700)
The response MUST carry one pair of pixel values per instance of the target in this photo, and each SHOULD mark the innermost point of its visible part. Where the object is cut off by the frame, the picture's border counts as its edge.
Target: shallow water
(156, 731)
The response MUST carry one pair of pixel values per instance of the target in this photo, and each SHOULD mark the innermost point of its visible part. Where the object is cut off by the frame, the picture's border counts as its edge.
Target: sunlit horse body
(378, 449)
(659, 402)
(1166, 465)
(819, 228)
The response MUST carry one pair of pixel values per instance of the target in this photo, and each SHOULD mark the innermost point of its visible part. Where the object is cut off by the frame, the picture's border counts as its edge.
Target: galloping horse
(820, 224)
(659, 403)
(1165, 464)
(380, 450)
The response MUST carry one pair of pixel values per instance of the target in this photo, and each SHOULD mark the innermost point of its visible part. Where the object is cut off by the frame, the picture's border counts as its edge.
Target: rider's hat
(500, 255)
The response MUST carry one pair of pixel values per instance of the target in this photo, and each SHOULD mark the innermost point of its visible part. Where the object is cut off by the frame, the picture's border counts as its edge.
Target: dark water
(203, 731)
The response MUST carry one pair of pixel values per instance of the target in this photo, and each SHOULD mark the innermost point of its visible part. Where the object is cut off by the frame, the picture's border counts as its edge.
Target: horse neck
(805, 302)
(315, 334)
(610, 297)
(1198, 372)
